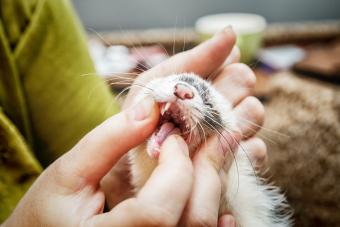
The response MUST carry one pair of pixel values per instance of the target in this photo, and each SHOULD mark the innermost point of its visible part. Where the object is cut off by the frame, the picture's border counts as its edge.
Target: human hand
(67, 193)
(236, 82)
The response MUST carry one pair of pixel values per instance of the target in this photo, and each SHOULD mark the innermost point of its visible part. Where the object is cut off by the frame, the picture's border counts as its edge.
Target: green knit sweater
(46, 102)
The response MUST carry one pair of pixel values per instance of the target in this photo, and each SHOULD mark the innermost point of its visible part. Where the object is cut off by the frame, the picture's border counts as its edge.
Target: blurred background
(293, 46)
(57, 83)
(104, 15)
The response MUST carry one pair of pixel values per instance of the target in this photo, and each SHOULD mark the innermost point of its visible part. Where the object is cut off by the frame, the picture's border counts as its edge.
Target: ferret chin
(192, 108)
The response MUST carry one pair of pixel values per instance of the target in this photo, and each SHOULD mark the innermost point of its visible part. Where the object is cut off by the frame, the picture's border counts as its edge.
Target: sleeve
(49, 93)
(18, 166)
(51, 72)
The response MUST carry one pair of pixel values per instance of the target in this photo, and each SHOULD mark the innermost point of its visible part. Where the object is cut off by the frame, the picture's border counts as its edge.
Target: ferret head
(189, 107)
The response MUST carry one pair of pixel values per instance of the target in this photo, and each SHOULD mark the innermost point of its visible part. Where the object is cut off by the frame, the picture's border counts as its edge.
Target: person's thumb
(101, 148)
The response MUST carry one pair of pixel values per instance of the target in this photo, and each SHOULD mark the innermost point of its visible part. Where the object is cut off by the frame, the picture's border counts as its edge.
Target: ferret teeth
(162, 111)
(167, 106)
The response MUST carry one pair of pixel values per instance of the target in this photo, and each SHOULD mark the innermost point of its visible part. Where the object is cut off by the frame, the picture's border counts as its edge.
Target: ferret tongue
(164, 132)
(158, 138)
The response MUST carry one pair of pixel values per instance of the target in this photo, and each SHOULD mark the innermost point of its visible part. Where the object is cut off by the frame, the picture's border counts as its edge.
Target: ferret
(193, 108)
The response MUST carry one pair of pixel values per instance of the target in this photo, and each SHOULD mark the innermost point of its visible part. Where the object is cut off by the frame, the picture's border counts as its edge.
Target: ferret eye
(209, 105)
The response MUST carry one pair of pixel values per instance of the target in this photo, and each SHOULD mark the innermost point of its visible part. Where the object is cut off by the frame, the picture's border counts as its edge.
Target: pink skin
(107, 144)
(182, 91)
(167, 128)
(165, 131)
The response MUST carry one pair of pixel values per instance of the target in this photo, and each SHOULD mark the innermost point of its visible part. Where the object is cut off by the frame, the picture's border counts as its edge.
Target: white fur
(252, 202)
(245, 195)
(249, 199)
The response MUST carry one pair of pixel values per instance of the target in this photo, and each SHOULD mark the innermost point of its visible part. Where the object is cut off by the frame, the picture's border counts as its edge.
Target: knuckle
(262, 146)
(245, 74)
(157, 216)
(58, 170)
(256, 108)
(88, 140)
(184, 170)
(203, 220)
(235, 55)
(150, 214)
(261, 154)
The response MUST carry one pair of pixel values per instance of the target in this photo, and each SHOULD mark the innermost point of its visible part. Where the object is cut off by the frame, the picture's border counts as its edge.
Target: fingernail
(226, 221)
(182, 144)
(142, 110)
(226, 29)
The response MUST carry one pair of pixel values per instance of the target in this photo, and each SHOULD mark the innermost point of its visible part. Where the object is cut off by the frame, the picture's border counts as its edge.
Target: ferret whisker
(93, 89)
(177, 69)
(99, 36)
(262, 136)
(230, 133)
(199, 124)
(121, 93)
(142, 68)
(126, 37)
(198, 118)
(244, 151)
(184, 41)
(174, 37)
(254, 130)
(264, 128)
(236, 164)
(214, 73)
(204, 92)
(161, 95)
(133, 84)
(230, 151)
(254, 64)
(163, 48)
(213, 128)
(204, 136)
(192, 129)
(131, 43)
(115, 76)
(128, 87)
(111, 76)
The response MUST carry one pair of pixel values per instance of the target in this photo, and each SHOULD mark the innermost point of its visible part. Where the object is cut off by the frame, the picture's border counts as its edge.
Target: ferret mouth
(172, 122)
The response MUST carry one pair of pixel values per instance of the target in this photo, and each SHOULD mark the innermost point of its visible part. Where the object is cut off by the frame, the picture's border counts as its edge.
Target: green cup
(248, 27)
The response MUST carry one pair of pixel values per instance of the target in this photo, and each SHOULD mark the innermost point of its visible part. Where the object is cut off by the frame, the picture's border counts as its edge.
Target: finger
(257, 150)
(234, 56)
(162, 199)
(249, 115)
(203, 206)
(226, 221)
(235, 82)
(172, 178)
(100, 149)
(203, 60)
(117, 183)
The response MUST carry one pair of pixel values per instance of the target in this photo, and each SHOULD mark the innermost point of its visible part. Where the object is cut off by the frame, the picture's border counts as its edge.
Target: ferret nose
(183, 91)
